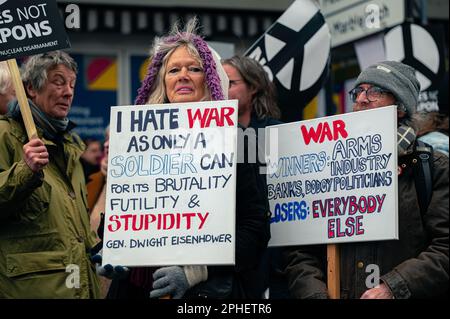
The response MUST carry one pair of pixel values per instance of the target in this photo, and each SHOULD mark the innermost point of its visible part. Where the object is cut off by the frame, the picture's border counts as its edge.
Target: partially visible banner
(295, 52)
(422, 48)
(29, 27)
(334, 179)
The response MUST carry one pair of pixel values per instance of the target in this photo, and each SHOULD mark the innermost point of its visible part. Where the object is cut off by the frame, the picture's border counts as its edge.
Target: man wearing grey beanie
(416, 265)
(398, 85)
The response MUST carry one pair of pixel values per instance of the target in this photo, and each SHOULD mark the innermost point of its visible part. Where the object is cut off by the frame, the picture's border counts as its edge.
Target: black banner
(295, 53)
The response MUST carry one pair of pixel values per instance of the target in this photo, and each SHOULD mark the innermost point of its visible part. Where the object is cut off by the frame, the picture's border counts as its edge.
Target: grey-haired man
(416, 265)
(45, 235)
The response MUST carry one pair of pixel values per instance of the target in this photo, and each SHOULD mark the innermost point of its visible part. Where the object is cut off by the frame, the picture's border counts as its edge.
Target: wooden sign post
(333, 271)
(22, 99)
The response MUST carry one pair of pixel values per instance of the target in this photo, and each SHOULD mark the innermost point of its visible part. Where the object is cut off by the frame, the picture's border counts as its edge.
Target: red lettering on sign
(207, 115)
(322, 131)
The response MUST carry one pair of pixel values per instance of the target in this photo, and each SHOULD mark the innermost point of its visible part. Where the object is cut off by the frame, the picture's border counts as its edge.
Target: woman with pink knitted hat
(183, 68)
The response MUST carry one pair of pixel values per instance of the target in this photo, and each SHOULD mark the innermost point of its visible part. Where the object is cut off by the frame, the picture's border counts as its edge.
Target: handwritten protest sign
(334, 179)
(171, 185)
(29, 27)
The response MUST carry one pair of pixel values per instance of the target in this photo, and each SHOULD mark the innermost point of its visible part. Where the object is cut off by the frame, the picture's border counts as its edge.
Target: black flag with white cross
(421, 47)
(295, 52)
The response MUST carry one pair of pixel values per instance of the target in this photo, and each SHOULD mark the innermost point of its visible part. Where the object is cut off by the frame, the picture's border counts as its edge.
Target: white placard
(171, 186)
(334, 179)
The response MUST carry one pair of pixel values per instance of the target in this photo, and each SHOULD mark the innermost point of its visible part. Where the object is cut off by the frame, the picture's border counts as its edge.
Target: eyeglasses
(373, 93)
(234, 82)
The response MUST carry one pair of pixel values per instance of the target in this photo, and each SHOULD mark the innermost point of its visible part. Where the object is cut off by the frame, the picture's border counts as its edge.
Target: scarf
(50, 126)
(405, 140)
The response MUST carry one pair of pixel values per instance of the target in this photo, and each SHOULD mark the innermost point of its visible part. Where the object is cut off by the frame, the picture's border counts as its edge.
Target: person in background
(184, 69)
(44, 230)
(416, 265)
(432, 123)
(96, 187)
(250, 84)
(96, 199)
(7, 92)
(91, 157)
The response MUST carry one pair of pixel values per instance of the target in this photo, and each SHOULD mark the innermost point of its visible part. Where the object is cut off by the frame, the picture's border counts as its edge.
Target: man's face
(184, 78)
(239, 90)
(93, 153)
(55, 98)
(372, 100)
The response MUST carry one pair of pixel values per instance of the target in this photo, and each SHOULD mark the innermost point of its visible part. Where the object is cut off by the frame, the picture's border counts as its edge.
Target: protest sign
(334, 179)
(171, 185)
(29, 27)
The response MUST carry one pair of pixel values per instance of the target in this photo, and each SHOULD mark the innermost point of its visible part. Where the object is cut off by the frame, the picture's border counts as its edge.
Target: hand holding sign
(380, 292)
(35, 155)
(109, 271)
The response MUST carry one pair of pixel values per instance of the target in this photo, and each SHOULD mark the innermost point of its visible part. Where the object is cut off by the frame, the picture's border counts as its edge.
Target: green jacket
(45, 235)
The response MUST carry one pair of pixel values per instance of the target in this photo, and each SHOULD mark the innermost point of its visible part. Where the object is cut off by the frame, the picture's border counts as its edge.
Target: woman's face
(184, 78)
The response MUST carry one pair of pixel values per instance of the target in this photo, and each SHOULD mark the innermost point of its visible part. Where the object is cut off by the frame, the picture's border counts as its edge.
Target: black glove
(109, 271)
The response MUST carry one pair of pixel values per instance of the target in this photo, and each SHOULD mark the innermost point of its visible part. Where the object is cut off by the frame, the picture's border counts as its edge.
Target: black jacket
(244, 280)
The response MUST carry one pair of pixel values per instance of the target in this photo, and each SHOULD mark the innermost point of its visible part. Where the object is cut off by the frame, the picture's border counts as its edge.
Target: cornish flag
(295, 52)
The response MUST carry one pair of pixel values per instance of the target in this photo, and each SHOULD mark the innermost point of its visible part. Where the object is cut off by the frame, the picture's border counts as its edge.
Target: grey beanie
(398, 78)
